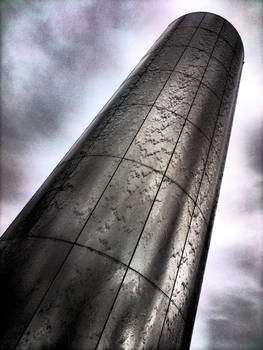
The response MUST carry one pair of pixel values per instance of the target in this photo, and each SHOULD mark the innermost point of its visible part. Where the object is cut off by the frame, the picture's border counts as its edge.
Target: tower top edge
(214, 14)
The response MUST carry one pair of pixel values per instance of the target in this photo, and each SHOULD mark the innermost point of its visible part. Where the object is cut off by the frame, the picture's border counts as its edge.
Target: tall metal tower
(110, 252)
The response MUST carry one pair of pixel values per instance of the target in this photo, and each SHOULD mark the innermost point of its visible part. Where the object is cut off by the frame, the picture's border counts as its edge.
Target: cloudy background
(62, 61)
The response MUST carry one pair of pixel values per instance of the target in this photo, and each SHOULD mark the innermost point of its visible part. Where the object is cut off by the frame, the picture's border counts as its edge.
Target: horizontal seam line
(211, 31)
(155, 170)
(202, 50)
(185, 118)
(168, 110)
(199, 81)
(232, 75)
(188, 76)
(189, 121)
(153, 283)
(56, 239)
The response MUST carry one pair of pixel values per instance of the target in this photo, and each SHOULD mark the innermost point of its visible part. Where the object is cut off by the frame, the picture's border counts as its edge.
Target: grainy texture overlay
(110, 252)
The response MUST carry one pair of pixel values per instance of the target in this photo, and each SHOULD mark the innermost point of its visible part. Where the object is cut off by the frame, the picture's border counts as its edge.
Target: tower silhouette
(110, 252)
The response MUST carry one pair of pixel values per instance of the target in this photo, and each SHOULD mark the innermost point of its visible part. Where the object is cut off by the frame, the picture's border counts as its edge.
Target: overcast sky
(62, 61)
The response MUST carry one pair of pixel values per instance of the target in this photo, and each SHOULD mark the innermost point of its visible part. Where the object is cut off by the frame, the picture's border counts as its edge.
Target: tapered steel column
(110, 252)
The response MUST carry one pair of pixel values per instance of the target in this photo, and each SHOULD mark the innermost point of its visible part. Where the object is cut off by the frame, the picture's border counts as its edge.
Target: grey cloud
(235, 323)
(66, 60)
(253, 199)
(254, 148)
(243, 260)
(235, 316)
(76, 46)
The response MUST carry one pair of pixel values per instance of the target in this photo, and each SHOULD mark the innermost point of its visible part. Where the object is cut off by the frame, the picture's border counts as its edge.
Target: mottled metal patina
(110, 252)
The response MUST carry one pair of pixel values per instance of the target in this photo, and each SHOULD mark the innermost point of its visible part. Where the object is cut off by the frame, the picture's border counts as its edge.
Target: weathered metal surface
(110, 252)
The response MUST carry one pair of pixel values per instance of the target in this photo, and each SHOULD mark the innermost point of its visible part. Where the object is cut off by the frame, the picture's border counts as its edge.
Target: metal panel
(159, 250)
(204, 40)
(154, 143)
(188, 161)
(212, 22)
(224, 53)
(27, 269)
(172, 331)
(204, 111)
(78, 196)
(117, 135)
(136, 317)
(206, 198)
(39, 203)
(192, 19)
(193, 62)
(77, 305)
(148, 87)
(190, 263)
(178, 94)
(116, 223)
(168, 56)
(181, 37)
(215, 77)
(230, 34)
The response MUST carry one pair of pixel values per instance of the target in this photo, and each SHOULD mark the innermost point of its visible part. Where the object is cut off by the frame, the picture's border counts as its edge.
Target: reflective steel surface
(110, 252)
